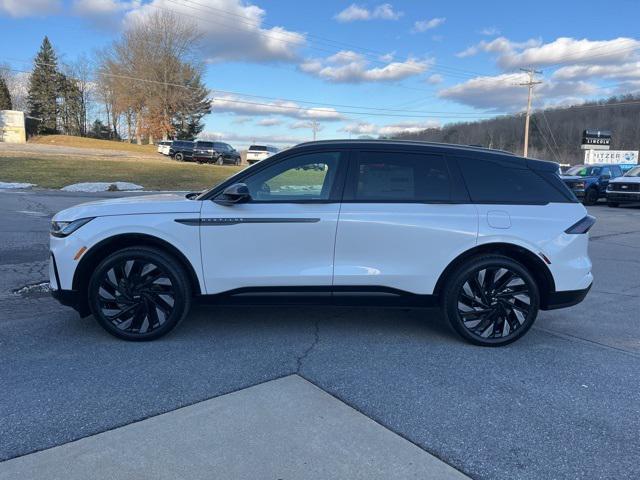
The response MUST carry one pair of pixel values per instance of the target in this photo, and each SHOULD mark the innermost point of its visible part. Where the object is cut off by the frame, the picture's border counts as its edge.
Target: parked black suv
(215, 152)
(589, 182)
(181, 150)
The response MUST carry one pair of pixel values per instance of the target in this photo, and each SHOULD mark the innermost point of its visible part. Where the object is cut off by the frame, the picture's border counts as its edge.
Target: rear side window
(494, 182)
(399, 177)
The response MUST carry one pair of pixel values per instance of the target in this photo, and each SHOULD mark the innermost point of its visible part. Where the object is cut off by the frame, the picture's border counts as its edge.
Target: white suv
(490, 237)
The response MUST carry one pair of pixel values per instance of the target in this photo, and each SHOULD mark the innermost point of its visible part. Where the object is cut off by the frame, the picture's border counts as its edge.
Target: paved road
(563, 402)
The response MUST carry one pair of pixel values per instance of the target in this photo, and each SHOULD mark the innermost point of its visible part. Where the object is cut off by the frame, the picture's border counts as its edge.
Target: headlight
(609, 188)
(64, 229)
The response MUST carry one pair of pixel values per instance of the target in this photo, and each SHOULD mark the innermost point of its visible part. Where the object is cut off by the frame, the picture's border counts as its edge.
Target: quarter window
(401, 177)
(494, 182)
(306, 177)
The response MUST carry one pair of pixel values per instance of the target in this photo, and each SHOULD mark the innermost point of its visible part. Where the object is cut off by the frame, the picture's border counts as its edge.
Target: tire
(237, 162)
(179, 156)
(591, 197)
(613, 204)
(130, 293)
(485, 300)
(220, 160)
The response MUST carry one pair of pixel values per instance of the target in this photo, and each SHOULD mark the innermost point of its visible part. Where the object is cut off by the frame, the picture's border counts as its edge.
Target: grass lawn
(56, 171)
(82, 142)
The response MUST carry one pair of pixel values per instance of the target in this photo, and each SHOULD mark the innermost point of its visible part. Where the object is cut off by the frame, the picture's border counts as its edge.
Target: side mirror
(236, 193)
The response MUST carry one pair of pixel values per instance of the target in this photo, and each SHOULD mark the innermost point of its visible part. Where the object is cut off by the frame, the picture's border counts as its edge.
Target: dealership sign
(596, 139)
(611, 156)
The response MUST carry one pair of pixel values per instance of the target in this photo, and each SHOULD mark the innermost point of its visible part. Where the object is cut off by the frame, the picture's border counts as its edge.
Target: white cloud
(434, 79)
(490, 31)
(424, 25)
(99, 8)
(305, 124)
(502, 92)
(366, 128)
(242, 106)
(355, 13)
(269, 122)
(29, 8)
(232, 30)
(533, 52)
(351, 67)
(500, 45)
(622, 71)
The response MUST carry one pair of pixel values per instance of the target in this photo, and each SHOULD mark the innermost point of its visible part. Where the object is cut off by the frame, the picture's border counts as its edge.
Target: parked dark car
(589, 182)
(181, 150)
(215, 152)
(625, 189)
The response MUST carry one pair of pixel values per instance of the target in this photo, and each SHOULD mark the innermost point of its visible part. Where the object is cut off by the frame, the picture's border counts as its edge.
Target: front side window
(400, 177)
(307, 177)
(581, 171)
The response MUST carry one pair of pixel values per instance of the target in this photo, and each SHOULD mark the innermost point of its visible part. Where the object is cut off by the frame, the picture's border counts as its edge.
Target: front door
(284, 236)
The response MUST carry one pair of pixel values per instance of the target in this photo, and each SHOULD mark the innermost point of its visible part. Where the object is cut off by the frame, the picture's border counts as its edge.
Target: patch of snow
(42, 287)
(102, 187)
(12, 185)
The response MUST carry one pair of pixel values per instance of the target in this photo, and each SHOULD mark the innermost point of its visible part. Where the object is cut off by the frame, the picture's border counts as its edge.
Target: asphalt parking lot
(562, 403)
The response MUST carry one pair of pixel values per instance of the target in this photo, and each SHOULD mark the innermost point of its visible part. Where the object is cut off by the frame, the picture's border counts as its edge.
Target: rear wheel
(220, 160)
(139, 293)
(491, 300)
(179, 156)
(591, 196)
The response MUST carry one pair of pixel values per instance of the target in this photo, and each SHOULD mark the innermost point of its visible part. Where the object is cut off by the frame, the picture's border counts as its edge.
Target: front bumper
(623, 197)
(564, 299)
(68, 298)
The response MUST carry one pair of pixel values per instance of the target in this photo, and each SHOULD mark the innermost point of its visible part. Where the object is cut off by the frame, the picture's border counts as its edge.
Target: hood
(624, 179)
(574, 178)
(143, 204)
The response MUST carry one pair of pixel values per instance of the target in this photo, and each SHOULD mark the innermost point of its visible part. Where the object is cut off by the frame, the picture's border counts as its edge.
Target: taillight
(582, 226)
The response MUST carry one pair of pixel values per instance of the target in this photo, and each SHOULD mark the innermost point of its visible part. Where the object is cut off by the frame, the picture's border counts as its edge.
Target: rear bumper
(564, 299)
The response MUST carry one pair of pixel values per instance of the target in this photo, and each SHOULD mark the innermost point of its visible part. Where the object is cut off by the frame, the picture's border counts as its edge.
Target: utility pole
(315, 127)
(530, 83)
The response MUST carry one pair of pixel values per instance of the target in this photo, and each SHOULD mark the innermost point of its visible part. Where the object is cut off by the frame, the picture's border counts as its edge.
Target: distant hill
(555, 132)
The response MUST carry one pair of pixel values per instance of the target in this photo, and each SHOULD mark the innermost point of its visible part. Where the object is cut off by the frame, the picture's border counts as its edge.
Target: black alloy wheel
(139, 294)
(492, 301)
(591, 196)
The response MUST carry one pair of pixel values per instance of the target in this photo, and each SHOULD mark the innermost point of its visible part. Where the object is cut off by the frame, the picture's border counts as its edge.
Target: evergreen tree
(72, 109)
(44, 88)
(5, 97)
(187, 121)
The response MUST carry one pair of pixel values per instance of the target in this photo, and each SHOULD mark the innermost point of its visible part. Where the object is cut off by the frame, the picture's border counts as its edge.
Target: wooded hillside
(555, 133)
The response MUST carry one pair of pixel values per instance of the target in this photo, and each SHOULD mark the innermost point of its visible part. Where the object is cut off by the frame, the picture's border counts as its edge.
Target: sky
(366, 68)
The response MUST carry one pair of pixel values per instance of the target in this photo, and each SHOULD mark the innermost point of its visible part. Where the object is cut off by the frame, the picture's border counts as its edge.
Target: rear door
(402, 221)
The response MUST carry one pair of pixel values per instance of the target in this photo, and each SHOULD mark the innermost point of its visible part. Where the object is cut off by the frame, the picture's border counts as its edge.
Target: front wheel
(139, 293)
(591, 197)
(491, 300)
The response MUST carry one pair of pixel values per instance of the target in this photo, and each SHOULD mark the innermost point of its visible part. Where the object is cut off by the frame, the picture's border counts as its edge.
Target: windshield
(634, 172)
(582, 171)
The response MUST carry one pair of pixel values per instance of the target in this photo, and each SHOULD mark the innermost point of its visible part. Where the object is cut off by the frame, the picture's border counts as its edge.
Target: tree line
(146, 85)
(555, 133)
